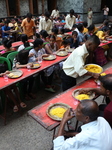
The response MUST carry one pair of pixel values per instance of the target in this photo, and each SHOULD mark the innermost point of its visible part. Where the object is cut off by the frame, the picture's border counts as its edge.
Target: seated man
(106, 90)
(5, 30)
(95, 132)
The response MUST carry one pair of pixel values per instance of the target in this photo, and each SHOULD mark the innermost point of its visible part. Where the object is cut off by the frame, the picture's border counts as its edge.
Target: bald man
(95, 132)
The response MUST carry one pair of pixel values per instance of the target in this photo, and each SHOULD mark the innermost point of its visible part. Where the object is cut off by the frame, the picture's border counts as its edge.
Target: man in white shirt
(106, 11)
(96, 133)
(70, 20)
(46, 23)
(73, 66)
(55, 13)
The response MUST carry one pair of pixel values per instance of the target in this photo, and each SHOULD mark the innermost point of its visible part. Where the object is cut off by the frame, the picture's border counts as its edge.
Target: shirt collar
(85, 49)
(88, 125)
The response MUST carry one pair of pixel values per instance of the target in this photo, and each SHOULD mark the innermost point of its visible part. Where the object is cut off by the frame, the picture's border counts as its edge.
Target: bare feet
(15, 109)
(23, 105)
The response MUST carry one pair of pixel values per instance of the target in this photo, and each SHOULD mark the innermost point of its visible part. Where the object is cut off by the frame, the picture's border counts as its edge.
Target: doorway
(35, 7)
(51, 4)
(13, 7)
(108, 3)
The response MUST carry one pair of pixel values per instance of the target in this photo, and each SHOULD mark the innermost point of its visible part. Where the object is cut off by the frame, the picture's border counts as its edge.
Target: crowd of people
(51, 34)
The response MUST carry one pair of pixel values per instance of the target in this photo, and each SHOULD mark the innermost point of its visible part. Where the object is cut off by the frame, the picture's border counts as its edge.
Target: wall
(24, 7)
(81, 7)
(3, 12)
(40, 6)
(77, 5)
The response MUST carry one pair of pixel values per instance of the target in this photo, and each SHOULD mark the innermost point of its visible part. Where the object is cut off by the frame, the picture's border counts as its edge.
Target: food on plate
(93, 68)
(36, 65)
(82, 96)
(58, 112)
(10, 74)
(103, 74)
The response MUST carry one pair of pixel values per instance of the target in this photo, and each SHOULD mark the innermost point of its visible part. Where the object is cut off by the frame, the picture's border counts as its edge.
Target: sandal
(50, 90)
(33, 96)
(27, 98)
(15, 108)
(23, 105)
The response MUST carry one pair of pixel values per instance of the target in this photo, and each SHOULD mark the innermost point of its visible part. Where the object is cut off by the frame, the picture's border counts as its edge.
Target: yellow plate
(56, 106)
(15, 74)
(50, 57)
(75, 93)
(91, 68)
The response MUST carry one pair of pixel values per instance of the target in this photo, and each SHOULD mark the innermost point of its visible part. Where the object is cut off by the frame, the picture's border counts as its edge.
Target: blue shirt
(5, 28)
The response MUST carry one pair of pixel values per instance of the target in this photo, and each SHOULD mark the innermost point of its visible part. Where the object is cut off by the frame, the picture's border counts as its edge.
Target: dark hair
(90, 108)
(44, 33)
(47, 14)
(52, 36)
(29, 15)
(62, 30)
(6, 22)
(85, 24)
(72, 12)
(74, 33)
(22, 57)
(38, 42)
(18, 22)
(80, 27)
(91, 27)
(106, 29)
(94, 39)
(66, 42)
(24, 39)
(55, 30)
(16, 19)
(74, 26)
(106, 22)
(106, 81)
(7, 43)
(37, 35)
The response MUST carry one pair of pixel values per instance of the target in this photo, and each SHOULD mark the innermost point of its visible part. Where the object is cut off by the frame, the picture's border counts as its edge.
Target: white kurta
(70, 21)
(89, 18)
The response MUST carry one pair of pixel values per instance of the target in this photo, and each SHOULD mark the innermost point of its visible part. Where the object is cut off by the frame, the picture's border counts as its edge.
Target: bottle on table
(39, 57)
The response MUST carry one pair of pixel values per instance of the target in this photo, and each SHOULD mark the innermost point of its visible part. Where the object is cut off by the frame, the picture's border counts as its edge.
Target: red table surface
(26, 73)
(15, 44)
(39, 112)
(102, 44)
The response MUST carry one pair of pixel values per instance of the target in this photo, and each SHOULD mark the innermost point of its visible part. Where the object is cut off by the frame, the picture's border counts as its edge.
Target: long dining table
(39, 113)
(26, 73)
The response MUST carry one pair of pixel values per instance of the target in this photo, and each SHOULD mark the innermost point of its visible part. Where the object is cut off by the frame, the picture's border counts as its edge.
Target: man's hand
(95, 75)
(31, 55)
(67, 115)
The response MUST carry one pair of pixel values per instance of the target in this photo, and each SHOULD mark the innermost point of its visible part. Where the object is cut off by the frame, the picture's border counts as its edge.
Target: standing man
(28, 26)
(90, 16)
(96, 133)
(46, 23)
(55, 13)
(73, 66)
(70, 20)
(106, 11)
